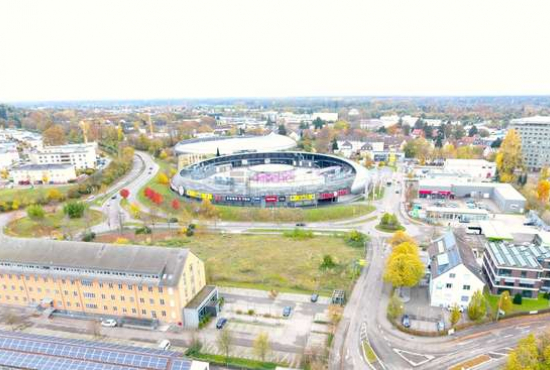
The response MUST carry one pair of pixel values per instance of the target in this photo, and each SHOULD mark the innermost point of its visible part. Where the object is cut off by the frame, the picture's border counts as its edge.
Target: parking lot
(423, 316)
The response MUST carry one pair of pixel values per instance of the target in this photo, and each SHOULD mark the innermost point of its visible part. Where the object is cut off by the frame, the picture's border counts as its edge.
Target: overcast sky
(115, 49)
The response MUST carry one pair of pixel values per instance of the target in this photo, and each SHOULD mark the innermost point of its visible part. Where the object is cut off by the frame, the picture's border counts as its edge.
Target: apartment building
(535, 140)
(454, 273)
(81, 156)
(150, 283)
(43, 174)
(517, 268)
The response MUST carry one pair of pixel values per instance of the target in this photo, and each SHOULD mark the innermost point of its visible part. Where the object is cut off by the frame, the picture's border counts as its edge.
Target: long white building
(81, 156)
(477, 169)
(43, 174)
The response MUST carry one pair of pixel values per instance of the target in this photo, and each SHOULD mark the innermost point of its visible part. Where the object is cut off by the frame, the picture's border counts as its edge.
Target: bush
(250, 312)
(356, 239)
(35, 212)
(88, 237)
(298, 234)
(143, 230)
(74, 209)
(189, 232)
(390, 222)
(518, 299)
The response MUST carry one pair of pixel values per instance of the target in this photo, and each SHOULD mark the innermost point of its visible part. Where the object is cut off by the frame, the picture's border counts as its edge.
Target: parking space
(251, 312)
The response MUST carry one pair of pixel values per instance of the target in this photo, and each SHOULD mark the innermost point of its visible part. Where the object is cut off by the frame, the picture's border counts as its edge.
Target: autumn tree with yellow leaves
(509, 158)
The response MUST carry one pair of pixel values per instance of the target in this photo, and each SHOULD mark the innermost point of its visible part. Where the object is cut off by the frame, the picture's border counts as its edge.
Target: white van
(164, 344)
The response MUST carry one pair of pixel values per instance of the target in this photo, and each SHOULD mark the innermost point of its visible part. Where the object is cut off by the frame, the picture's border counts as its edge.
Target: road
(366, 309)
(143, 170)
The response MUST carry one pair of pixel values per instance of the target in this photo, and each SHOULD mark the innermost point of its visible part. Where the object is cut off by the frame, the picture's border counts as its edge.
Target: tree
(35, 212)
(282, 129)
(318, 123)
(224, 342)
(207, 209)
(125, 193)
(261, 346)
(400, 237)
(508, 158)
(74, 209)
(217, 152)
(472, 131)
(404, 267)
(55, 135)
(477, 307)
(458, 132)
(135, 211)
(518, 299)
(162, 178)
(175, 204)
(54, 195)
(455, 315)
(504, 303)
(527, 355)
(543, 190)
(328, 263)
(395, 306)
(334, 145)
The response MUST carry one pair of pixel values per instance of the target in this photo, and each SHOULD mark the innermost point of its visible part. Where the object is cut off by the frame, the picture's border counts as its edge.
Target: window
(452, 275)
(163, 313)
(105, 308)
(449, 286)
(141, 300)
(162, 301)
(466, 287)
(160, 289)
(112, 297)
(150, 289)
(151, 301)
(122, 298)
(524, 274)
(134, 310)
(144, 312)
(119, 286)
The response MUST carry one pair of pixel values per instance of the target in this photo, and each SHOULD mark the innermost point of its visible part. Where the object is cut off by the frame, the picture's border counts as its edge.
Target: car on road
(300, 224)
(113, 197)
(287, 311)
(314, 297)
(397, 191)
(165, 344)
(221, 323)
(108, 323)
(406, 321)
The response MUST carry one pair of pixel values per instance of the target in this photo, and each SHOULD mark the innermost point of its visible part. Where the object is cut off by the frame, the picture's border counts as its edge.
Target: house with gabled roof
(454, 273)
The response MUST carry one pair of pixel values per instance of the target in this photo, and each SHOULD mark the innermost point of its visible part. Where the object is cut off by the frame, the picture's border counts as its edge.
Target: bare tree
(261, 346)
(224, 341)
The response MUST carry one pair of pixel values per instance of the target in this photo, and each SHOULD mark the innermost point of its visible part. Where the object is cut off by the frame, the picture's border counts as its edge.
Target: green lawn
(54, 224)
(29, 195)
(265, 261)
(234, 362)
(526, 305)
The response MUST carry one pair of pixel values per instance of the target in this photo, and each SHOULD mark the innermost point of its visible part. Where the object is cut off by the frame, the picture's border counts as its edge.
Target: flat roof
(29, 351)
(509, 192)
(42, 167)
(201, 296)
(233, 144)
(528, 120)
(468, 162)
(518, 256)
(494, 230)
(166, 262)
(472, 211)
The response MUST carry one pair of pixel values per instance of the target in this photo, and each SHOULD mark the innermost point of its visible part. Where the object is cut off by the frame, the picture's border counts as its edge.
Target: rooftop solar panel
(43, 352)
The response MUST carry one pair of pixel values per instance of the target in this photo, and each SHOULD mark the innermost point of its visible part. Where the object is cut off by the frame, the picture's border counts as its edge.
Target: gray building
(535, 140)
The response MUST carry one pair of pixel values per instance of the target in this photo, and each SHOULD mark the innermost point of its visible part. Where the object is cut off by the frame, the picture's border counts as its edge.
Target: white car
(450, 308)
(108, 323)
(164, 344)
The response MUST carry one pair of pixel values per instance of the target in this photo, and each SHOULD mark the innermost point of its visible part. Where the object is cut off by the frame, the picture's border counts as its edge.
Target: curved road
(365, 316)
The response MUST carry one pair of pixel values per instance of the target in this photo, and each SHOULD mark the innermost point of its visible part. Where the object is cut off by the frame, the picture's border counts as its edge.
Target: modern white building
(43, 174)
(8, 157)
(535, 140)
(477, 169)
(454, 273)
(81, 156)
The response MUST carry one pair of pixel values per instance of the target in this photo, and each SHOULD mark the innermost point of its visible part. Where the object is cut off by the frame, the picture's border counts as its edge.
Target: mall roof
(166, 262)
(234, 144)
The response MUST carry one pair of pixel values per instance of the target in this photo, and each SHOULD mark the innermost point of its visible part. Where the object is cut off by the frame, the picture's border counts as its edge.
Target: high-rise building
(535, 140)
(138, 282)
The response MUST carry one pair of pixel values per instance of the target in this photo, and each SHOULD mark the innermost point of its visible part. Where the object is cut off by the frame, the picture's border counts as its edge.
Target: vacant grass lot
(526, 304)
(266, 261)
(29, 195)
(53, 224)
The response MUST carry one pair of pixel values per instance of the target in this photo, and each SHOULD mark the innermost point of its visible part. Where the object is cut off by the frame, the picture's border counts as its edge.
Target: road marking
(463, 343)
(508, 336)
(403, 353)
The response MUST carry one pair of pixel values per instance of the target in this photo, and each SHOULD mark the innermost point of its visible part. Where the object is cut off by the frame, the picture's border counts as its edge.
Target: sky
(141, 49)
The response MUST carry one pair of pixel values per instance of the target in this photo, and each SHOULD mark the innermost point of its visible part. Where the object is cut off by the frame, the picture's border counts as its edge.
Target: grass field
(228, 213)
(265, 261)
(54, 224)
(526, 304)
(29, 195)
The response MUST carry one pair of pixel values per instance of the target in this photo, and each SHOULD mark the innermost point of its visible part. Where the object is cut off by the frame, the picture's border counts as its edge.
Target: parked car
(109, 323)
(440, 326)
(314, 297)
(300, 224)
(221, 323)
(165, 344)
(406, 321)
(287, 311)
(450, 307)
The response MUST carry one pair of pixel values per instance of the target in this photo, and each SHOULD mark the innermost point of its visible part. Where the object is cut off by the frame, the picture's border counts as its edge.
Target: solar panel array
(518, 256)
(29, 351)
